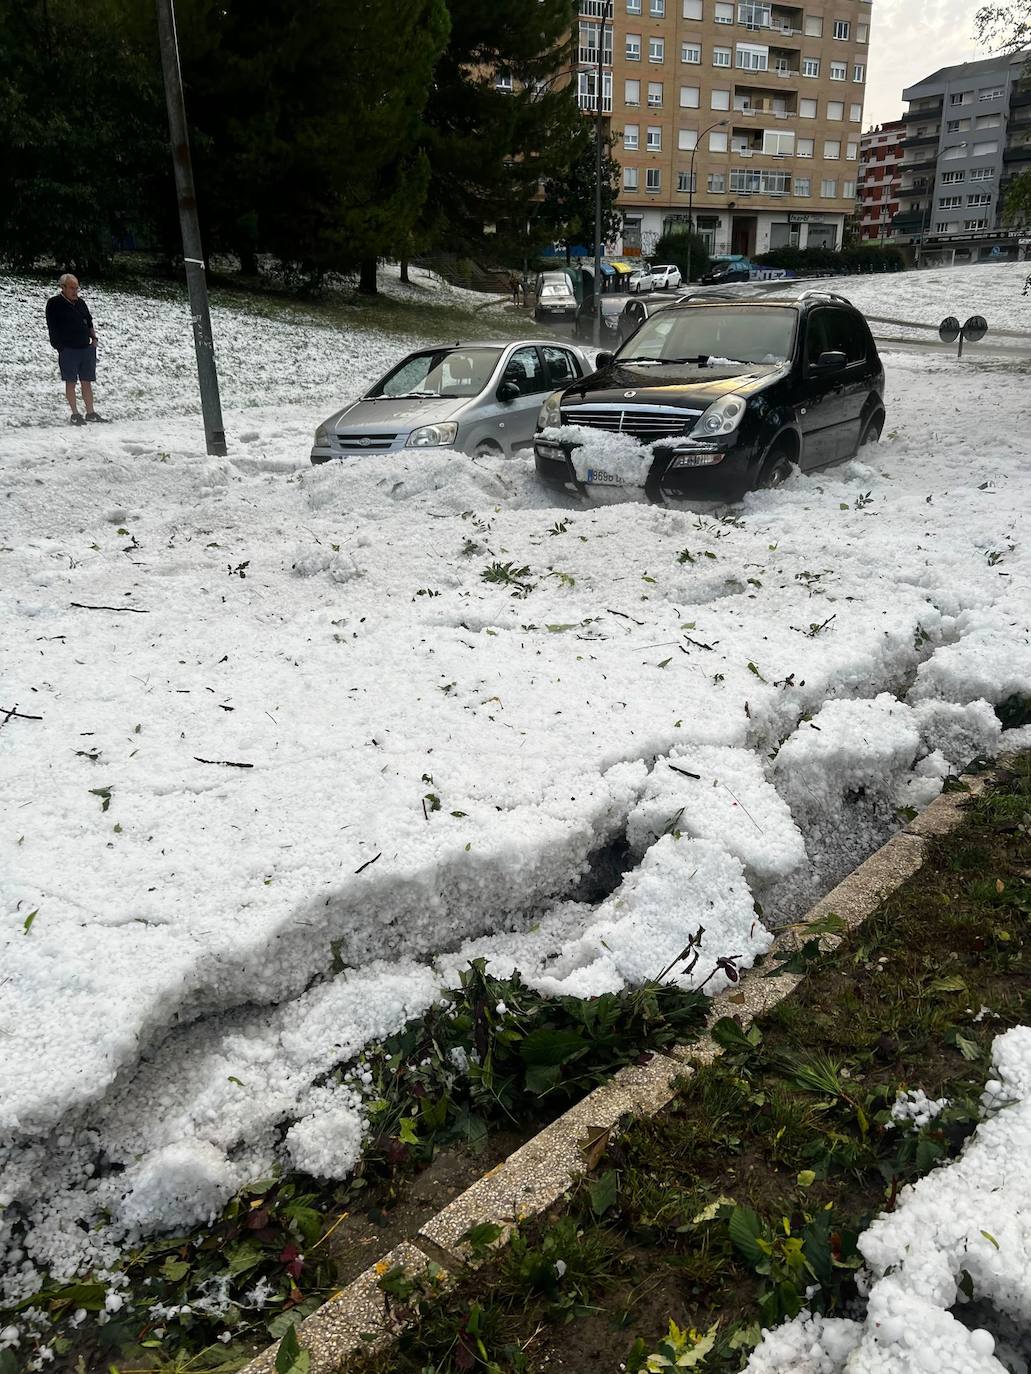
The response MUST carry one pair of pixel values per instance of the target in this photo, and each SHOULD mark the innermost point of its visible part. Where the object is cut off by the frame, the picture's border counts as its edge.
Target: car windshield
(554, 289)
(750, 335)
(452, 372)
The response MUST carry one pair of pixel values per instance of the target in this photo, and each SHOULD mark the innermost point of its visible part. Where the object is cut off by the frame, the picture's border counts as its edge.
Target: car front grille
(370, 443)
(647, 423)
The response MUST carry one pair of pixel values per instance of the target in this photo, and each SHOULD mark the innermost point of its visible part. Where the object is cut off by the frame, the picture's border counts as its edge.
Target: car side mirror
(604, 360)
(508, 392)
(830, 362)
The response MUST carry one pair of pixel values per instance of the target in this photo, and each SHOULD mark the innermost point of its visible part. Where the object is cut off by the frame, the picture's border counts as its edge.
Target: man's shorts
(78, 364)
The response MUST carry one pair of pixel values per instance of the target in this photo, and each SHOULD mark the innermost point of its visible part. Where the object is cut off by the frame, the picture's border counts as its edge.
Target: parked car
(611, 308)
(728, 269)
(554, 297)
(666, 277)
(640, 308)
(731, 394)
(640, 280)
(480, 398)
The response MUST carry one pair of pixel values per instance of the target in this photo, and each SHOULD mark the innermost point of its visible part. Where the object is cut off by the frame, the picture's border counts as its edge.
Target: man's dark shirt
(69, 322)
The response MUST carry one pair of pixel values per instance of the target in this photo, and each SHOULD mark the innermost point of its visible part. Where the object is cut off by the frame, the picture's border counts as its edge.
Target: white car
(641, 280)
(665, 277)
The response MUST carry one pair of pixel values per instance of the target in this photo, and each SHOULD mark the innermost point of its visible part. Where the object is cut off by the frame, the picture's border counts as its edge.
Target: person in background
(70, 326)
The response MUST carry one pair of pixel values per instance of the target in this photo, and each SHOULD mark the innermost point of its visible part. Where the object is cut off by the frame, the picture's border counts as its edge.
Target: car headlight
(550, 416)
(433, 436)
(324, 437)
(722, 417)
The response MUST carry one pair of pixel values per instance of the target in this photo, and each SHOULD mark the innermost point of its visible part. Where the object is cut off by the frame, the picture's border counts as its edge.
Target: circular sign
(975, 328)
(948, 330)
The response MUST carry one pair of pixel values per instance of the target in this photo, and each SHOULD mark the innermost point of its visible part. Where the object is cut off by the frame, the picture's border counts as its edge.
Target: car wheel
(486, 448)
(775, 471)
(872, 429)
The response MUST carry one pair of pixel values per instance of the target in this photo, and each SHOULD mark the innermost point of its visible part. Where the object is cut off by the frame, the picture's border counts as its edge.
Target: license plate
(603, 479)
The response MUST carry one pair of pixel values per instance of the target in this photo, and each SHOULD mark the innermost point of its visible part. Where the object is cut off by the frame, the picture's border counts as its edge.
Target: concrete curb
(536, 1175)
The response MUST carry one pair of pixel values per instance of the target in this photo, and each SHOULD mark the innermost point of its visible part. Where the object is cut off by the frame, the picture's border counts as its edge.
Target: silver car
(479, 398)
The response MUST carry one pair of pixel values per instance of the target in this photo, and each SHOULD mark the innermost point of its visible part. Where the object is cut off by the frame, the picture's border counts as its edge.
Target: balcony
(913, 116)
(1019, 98)
(926, 166)
(1020, 153)
(919, 140)
(911, 222)
(594, 9)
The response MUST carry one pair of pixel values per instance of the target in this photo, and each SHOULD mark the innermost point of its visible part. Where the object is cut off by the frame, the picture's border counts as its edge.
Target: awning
(622, 267)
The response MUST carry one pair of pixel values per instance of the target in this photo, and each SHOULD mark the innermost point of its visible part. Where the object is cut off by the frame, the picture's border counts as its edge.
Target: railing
(593, 9)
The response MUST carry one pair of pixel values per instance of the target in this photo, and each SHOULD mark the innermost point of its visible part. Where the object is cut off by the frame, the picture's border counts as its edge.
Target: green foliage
(673, 247)
(570, 196)
(861, 258)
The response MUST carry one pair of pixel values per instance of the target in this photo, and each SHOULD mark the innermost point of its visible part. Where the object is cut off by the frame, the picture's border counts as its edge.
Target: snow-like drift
(434, 755)
(970, 1218)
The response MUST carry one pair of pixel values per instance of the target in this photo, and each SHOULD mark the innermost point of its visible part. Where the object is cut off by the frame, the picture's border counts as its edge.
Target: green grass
(756, 1182)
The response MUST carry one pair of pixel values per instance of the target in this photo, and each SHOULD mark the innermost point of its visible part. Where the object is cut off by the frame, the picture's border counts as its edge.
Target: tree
(674, 247)
(1007, 27)
(571, 197)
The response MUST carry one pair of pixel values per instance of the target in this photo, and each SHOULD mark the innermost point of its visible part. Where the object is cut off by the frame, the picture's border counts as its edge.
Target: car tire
(776, 469)
(486, 448)
(872, 429)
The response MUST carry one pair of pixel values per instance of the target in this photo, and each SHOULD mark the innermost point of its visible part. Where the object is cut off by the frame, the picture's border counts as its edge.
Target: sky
(910, 39)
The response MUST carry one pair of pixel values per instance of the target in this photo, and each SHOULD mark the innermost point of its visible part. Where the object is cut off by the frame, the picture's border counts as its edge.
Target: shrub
(673, 247)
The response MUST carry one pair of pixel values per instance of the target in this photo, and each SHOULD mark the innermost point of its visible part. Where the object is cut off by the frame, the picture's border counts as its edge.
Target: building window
(503, 82)
(631, 233)
(589, 45)
(803, 186)
(654, 95)
(754, 14)
(723, 12)
(719, 142)
(719, 100)
(949, 202)
(630, 181)
(751, 58)
(747, 181)
(708, 227)
(991, 121)
(687, 139)
(631, 137)
(806, 147)
(842, 28)
(692, 9)
(654, 138)
(828, 188)
(943, 226)
(975, 224)
(956, 126)
(984, 149)
(653, 179)
(807, 109)
(810, 66)
(839, 71)
(690, 52)
(977, 174)
(631, 93)
(981, 198)
(689, 97)
(831, 149)
(587, 91)
(960, 97)
(862, 33)
(859, 72)
(848, 190)
(855, 114)
(721, 57)
(957, 150)
(852, 153)
(952, 178)
(633, 6)
(656, 50)
(835, 109)
(685, 182)
(813, 26)
(633, 47)
(717, 183)
(657, 9)
(992, 93)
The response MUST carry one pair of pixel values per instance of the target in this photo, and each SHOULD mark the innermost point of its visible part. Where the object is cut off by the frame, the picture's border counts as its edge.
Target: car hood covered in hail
(371, 414)
(674, 384)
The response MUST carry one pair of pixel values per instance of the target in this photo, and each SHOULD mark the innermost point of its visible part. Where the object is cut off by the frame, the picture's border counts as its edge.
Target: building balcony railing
(1020, 153)
(927, 165)
(910, 222)
(918, 140)
(924, 112)
(1019, 99)
(594, 9)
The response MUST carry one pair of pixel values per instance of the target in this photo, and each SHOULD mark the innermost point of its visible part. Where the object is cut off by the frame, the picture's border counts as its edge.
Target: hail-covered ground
(294, 744)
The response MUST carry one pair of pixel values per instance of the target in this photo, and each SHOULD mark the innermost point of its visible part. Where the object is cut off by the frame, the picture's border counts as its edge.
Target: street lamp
(605, 14)
(720, 124)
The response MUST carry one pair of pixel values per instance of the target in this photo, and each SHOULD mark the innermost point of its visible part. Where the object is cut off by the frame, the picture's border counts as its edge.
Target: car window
(440, 372)
(525, 371)
(561, 367)
(846, 334)
(748, 334)
(818, 335)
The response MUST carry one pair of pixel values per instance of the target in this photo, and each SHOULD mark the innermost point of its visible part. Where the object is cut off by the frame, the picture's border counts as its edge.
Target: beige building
(768, 98)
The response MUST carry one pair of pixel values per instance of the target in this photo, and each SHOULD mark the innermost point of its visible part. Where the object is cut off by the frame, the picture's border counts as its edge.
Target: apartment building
(880, 178)
(746, 114)
(967, 133)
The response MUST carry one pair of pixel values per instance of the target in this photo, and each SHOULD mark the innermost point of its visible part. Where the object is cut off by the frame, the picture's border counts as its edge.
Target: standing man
(71, 332)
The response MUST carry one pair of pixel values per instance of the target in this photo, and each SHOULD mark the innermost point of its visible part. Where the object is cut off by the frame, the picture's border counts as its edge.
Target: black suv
(731, 395)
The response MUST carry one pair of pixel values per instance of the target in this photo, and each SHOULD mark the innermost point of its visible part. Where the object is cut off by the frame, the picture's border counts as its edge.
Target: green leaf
(952, 984)
(988, 1236)
(968, 1048)
(729, 1036)
(604, 1191)
(27, 923)
(281, 1324)
(407, 1135)
(806, 1178)
(549, 1047)
(88, 1295)
(745, 1229)
(244, 1257)
(173, 1270)
(104, 793)
(482, 1236)
(290, 1358)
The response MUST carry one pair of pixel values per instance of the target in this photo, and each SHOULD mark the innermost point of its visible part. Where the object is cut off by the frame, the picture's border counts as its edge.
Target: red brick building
(880, 178)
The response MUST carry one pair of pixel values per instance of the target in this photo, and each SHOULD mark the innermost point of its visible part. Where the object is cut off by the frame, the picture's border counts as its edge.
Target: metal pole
(606, 14)
(210, 404)
(690, 209)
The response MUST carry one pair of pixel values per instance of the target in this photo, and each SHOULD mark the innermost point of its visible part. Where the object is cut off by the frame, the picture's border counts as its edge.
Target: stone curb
(536, 1175)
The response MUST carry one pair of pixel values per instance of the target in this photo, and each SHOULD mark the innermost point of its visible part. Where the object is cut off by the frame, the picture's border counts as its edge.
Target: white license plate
(603, 479)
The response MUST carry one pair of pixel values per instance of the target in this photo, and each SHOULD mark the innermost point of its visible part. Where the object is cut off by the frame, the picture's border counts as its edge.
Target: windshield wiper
(699, 360)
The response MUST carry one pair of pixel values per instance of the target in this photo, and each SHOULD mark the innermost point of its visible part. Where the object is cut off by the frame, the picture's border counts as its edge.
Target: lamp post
(720, 124)
(605, 14)
(207, 375)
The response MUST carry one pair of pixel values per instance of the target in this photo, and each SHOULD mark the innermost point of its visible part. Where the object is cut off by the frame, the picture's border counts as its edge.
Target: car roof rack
(823, 295)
